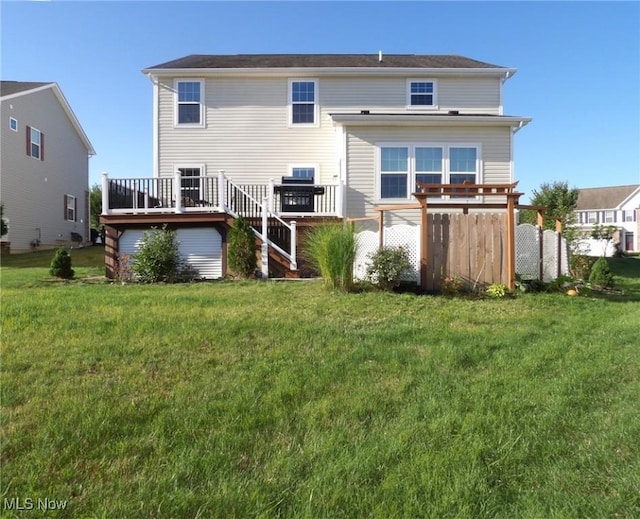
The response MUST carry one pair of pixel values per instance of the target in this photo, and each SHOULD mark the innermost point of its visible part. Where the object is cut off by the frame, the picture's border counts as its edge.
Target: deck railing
(180, 194)
(263, 205)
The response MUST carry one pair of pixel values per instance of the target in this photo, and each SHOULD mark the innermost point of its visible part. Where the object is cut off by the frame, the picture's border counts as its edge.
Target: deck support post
(424, 234)
(340, 199)
(105, 193)
(264, 248)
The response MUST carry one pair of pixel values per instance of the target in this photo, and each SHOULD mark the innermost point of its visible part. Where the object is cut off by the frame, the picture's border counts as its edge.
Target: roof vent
(380, 56)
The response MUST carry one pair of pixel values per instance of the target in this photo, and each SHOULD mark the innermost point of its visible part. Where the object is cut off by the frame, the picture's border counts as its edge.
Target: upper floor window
(608, 217)
(402, 166)
(592, 217)
(70, 208)
(13, 124)
(189, 106)
(628, 216)
(421, 93)
(303, 99)
(35, 143)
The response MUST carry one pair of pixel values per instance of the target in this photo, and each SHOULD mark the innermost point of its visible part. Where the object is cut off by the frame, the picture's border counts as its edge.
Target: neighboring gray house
(44, 167)
(617, 206)
(350, 133)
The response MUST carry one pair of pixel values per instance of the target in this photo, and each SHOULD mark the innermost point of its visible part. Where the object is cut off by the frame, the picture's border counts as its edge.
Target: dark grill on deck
(297, 195)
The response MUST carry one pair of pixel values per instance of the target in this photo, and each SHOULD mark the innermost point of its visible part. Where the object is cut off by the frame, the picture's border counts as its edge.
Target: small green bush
(242, 249)
(601, 275)
(581, 266)
(497, 290)
(61, 265)
(331, 249)
(157, 259)
(387, 267)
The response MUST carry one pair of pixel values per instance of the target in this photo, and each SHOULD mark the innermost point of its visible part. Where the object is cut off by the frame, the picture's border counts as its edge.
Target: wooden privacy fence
(472, 247)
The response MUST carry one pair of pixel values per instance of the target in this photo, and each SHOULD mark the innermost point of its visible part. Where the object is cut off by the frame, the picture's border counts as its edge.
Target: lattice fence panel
(528, 251)
(405, 236)
(550, 259)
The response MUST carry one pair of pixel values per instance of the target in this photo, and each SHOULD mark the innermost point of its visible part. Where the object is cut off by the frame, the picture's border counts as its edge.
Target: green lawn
(266, 399)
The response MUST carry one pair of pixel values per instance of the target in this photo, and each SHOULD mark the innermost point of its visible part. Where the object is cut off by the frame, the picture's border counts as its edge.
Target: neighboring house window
(189, 105)
(421, 93)
(13, 124)
(70, 208)
(303, 172)
(190, 186)
(35, 143)
(627, 216)
(592, 217)
(401, 167)
(304, 102)
(608, 217)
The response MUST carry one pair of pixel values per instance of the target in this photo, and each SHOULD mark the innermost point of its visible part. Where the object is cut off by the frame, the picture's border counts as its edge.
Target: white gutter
(429, 120)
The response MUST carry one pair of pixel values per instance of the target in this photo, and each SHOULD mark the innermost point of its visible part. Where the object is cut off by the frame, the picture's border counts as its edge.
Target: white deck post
(221, 198)
(134, 189)
(105, 193)
(270, 194)
(294, 260)
(264, 263)
(177, 181)
(340, 199)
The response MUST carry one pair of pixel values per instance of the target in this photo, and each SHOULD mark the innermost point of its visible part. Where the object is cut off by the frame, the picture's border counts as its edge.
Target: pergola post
(511, 242)
(424, 235)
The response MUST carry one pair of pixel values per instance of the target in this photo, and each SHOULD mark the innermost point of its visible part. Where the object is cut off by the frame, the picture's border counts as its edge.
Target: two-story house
(309, 136)
(616, 206)
(44, 167)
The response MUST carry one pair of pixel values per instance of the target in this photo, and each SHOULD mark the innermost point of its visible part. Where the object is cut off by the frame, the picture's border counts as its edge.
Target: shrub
(581, 266)
(452, 285)
(61, 264)
(242, 249)
(601, 275)
(331, 249)
(497, 290)
(387, 267)
(4, 227)
(157, 258)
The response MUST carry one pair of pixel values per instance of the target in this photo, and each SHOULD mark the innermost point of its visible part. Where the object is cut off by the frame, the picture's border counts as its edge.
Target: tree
(95, 203)
(560, 201)
(60, 266)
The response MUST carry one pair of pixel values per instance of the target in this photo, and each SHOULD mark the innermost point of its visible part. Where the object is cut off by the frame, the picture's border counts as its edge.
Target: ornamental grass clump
(331, 249)
(61, 265)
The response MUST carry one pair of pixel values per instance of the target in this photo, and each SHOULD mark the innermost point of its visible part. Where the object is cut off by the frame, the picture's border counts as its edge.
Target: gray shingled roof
(13, 87)
(604, 197)
(323, 61)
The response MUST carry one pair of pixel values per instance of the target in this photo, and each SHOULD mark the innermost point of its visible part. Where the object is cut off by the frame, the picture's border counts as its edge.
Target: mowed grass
(263, 399)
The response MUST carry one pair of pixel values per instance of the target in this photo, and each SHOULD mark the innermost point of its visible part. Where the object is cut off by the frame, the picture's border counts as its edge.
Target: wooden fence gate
(472, 247)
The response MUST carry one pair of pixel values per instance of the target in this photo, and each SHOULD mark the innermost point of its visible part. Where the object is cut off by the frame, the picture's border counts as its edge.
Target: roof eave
(429, 120)
(331, 71)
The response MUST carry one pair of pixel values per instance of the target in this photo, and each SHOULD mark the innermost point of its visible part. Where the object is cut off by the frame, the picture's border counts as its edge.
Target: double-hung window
(189, 96)
(13, 124)
(70, 208)
(422, 93)
(401, 167)
(303, 102)
(35, 143)
(609, 217)
(592, 217)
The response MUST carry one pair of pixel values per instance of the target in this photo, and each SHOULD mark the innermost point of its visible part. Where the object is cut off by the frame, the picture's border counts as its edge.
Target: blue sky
(578, 66)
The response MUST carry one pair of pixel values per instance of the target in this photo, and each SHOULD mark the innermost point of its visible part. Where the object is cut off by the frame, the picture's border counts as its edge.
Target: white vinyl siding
(362, 194)
(247, 132)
